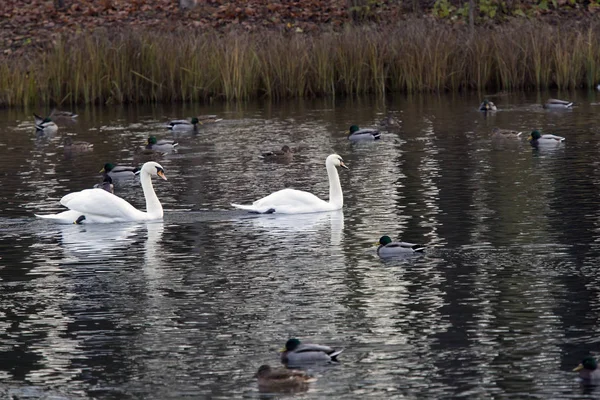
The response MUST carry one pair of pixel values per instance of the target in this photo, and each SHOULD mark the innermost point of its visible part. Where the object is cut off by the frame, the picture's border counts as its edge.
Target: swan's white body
(292, 201)
(100, 206)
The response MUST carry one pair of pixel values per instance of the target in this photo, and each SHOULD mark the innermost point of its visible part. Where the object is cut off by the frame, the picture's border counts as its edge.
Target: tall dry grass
(143, 66)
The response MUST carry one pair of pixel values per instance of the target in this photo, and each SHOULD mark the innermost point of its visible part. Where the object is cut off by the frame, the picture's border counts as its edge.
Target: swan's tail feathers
(335, 354)
(253, 209)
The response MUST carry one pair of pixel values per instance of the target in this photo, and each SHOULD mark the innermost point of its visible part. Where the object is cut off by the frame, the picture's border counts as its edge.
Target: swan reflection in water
(290, 225)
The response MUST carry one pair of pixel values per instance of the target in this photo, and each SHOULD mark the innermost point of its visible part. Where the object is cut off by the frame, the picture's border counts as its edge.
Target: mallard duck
(160, 145)
(107, 184)
(537, 139)
(184, 125)
(285, 154)
(44, 125)
(295, 353)
(282, 379)
(387, 248)
(506, 133)
(487, 105)
(119, 171)
(557, 104)
(390, 122)
(209, 119)
(65, 115)
(76, 146)
(356, 134)
(588, 370)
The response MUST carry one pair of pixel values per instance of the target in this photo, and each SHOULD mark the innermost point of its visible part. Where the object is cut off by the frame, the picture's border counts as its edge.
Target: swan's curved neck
(335, 188)
(153, 207)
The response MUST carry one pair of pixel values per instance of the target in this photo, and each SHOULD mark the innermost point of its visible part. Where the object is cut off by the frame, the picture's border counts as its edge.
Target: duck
(557, 104)
(292, 201)
(285, 154)
(76, 146)
(487, 105)
(209, 119)
(63, 115)
(282, 379)
(588, 370)
(96, 205)
(388, 248)
(44, 125)
(537, 139)
(296, 352)
(119, 171)
(390, 122)
(506, 133)
(180, 125)
(107, 184)
(355, 134)
(162, 145)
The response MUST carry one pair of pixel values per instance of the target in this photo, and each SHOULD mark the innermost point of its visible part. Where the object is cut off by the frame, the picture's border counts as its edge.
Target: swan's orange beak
(343, 165)
(162, 175)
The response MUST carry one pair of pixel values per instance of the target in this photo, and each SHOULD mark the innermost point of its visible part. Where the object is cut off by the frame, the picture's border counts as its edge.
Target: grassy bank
(142, 66)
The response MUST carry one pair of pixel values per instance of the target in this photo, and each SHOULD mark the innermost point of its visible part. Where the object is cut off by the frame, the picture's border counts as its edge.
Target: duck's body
(99, 206)
(588, 371)
(506, 133)
(390, 122)
(292, 201)
(282, 379)
(387, 248)
(355, 134)
(163, 145)
(183, 125)
(557, 104)
(209, 119)
(107, 184)
(62, 115)
(487, 105)
(119, 171)
(285, 154)
(44, 125)
(76, 146)
(297, 353)
(537, 139)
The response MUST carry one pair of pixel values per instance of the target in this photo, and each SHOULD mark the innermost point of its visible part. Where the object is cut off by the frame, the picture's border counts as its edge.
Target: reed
(147, 67)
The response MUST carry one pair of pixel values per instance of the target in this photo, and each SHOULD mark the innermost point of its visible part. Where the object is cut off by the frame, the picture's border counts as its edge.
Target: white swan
(99, 206)
(291, 201)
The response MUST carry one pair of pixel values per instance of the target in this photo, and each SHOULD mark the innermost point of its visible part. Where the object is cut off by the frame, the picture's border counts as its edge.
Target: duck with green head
(388, 248)
(537, 139)
(163, 145)
(487, 105)
(282, 379)
(588, 370)
(183, 125)
(355, 134)
(296, 352)
(44, 125)
(119, 171)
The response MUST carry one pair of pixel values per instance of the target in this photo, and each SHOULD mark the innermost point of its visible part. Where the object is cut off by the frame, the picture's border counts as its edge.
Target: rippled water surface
(505, 302)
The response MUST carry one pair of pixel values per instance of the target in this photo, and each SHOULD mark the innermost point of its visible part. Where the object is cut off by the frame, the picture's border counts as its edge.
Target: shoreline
(144, 66)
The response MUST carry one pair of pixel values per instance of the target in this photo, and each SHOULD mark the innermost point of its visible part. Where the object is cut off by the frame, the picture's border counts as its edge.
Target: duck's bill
(162, 175)
(578, 368)
(343, 165)
(376, 244)
(282, 350)
(530, 138)
(102, 170)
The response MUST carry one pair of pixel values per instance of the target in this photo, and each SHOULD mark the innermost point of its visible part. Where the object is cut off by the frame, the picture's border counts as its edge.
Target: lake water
(504, 304)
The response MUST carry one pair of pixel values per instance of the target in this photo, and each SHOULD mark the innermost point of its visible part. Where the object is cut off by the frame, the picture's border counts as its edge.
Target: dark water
(504, 304)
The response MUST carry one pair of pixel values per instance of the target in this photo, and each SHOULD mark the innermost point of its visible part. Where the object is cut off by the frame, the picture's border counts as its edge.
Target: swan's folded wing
(98, 202)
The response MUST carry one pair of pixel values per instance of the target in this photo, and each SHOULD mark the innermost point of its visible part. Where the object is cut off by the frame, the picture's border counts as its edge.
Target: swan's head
(154, 169)
(335, 160)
